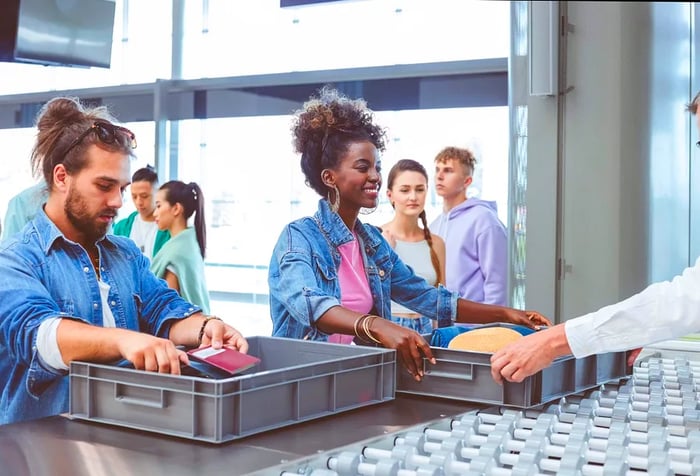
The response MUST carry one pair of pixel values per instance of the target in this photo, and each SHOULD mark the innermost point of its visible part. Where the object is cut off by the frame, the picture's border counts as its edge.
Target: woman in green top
(180, 262)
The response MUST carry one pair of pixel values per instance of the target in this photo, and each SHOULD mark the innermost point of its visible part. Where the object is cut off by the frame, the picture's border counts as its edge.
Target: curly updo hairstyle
(324, 128)
(60, 121)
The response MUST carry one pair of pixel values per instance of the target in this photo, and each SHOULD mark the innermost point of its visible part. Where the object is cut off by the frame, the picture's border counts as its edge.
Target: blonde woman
(407, 188)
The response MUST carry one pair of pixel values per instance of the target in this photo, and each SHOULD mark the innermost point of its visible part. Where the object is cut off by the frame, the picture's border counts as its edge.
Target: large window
(247, 37)
(209, 87)
(248, 207)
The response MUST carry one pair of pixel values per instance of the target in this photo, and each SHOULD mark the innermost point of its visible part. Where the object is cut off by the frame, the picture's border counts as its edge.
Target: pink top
(354, 287)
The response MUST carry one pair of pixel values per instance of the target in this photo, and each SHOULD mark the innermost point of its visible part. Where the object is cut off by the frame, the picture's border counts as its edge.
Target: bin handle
(462, 370)
(157, 402)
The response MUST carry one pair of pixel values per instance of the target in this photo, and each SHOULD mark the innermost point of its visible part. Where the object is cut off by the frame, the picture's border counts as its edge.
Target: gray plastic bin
(296, 381)
(463, 375)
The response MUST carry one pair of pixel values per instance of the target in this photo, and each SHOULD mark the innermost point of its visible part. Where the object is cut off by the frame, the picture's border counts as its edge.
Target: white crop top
(416, 254)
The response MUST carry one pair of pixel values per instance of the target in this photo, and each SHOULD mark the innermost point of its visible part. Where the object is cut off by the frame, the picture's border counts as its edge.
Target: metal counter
(60, 446)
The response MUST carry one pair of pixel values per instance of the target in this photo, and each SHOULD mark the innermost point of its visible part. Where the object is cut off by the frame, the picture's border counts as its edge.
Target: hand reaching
(410, 346)
(218, 333)
(529, 354)
(150, 353)
(532, 319)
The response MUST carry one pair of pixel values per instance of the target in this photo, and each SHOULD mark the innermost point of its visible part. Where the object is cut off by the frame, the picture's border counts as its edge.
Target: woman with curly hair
(332, 277)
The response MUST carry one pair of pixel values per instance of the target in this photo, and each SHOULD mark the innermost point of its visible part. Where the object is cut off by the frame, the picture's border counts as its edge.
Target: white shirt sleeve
(662, 311)
(47, 344)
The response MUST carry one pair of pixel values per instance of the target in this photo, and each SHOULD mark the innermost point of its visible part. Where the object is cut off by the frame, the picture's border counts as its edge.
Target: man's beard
(77, 212)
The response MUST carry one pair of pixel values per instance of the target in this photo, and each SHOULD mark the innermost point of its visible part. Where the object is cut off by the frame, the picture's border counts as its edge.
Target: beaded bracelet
(204, 324)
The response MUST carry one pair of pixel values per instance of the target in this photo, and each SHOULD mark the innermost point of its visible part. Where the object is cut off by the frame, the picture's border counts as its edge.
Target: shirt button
(94, 305)
(381, 273)
(86, 269)
(113, 303)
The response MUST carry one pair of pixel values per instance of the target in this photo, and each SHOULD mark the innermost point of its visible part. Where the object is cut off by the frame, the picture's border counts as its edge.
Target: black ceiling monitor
(57, 32)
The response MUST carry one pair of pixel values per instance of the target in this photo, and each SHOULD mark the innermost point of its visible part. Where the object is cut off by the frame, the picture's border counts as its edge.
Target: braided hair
(408, 165)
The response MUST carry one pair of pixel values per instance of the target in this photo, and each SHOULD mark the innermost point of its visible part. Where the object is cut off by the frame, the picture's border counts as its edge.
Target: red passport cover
(226, 358)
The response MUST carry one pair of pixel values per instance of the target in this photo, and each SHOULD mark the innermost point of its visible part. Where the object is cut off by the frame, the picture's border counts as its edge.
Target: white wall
(624, 163)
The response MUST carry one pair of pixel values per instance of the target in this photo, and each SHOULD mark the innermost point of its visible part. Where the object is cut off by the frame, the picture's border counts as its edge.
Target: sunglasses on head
(107, 133)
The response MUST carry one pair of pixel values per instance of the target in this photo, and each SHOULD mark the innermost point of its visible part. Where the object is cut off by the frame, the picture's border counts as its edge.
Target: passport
(225, 358)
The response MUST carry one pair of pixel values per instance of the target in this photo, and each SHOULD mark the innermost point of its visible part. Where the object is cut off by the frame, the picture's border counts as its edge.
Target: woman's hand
(409, 345)
(531, 319)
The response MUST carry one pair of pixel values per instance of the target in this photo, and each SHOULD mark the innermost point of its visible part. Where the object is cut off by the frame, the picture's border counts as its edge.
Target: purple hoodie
(476, 246)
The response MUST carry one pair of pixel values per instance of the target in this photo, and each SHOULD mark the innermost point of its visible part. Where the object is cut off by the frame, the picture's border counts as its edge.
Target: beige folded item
(487, 339)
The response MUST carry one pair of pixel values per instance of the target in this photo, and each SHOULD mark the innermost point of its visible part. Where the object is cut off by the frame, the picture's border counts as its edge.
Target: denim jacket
(44, 275)
(303, 276)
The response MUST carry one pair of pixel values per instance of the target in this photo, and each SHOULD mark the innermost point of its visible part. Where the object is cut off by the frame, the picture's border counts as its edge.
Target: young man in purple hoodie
(475, 239)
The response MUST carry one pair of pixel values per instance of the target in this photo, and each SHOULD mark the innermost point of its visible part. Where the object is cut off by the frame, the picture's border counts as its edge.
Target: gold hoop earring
(335, 201)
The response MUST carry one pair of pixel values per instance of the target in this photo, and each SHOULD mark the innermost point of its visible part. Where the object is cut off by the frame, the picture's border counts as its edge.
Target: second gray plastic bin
(296, 381)
(464, 375)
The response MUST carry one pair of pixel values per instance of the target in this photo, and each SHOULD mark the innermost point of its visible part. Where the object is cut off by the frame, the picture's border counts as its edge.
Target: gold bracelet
(354, 326)
(365, 327)
(204, 325)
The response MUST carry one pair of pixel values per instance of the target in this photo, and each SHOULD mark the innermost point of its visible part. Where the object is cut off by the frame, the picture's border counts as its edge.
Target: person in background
(141, 226)
(330, 273)
(662, 311)
(23, 207)
(70, 291)
(181, 260)
(407, 188)
(475, 239)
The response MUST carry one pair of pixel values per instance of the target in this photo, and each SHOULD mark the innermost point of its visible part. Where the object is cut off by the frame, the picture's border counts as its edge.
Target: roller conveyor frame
(647, 424)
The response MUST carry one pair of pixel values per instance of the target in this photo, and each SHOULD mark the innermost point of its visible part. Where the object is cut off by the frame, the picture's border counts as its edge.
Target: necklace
(95, 264)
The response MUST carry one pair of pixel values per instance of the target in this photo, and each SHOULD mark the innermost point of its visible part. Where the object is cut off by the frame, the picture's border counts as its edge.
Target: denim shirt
(303, 276)
(44, 275)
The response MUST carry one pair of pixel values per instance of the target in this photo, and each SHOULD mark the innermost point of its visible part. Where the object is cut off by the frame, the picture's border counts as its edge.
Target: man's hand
(217, 334)
(529, 354)
(151, 353)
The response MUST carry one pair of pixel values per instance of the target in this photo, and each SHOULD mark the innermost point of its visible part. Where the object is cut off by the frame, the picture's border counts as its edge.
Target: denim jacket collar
(48, 233)
(337, 233)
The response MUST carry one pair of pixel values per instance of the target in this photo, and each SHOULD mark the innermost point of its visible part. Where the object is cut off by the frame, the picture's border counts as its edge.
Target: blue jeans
(422, 325)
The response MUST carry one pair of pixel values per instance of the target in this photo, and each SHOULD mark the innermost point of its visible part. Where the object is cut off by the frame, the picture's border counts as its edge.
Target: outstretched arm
(479, 313)
(80, 341)
(529, 354)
